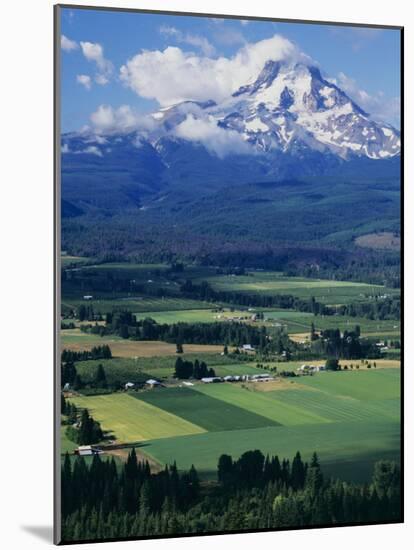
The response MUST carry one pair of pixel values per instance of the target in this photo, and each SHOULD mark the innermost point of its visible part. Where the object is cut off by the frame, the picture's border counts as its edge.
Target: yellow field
(129, 419)
(76, 340)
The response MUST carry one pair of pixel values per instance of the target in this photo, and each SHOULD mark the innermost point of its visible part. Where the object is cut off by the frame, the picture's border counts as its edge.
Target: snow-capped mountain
(288, 123)
(289, 108)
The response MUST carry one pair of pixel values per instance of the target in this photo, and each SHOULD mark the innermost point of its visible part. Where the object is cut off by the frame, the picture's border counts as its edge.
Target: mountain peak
(292, 103)
(289, 108)
(264, 80)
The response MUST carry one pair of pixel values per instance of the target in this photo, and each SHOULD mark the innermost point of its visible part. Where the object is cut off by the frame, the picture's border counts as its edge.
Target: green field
(300, 322)
(346, 449)
(128, 419)
(205, 411)
(363, 385)
(268, 283)
(141, 306)
(261, 403)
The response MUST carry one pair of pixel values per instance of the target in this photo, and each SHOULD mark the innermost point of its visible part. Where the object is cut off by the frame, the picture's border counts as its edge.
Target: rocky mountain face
(290, 108)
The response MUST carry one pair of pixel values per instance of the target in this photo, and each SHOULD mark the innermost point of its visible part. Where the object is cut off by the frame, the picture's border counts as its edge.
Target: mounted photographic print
(228, 274)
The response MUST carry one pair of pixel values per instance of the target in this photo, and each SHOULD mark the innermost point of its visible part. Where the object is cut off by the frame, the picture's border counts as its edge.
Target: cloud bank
(172, 75)
(215, 139)
(107, 120)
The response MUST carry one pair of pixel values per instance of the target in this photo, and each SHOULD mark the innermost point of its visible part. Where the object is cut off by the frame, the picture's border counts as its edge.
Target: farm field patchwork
(204, 410)
(260, 403)
(350, 418)
(129, 419)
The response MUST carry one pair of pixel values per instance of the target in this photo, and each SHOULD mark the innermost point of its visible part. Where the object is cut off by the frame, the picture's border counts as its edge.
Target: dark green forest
(104, 501)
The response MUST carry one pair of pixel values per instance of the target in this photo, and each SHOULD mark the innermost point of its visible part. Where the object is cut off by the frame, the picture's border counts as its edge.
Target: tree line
(187, 369)
(126, 325)
(97, 352)
(103, 501)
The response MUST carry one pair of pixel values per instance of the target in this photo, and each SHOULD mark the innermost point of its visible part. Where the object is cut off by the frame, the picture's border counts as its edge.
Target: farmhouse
(129, 385)
(306, 369)
(152, 383)
(211, 379)
(88, 297)
(247, 347)
(87, 450)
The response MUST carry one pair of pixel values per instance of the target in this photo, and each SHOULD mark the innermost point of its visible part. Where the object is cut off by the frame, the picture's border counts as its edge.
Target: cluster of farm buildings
(306, 369)
(240, 378)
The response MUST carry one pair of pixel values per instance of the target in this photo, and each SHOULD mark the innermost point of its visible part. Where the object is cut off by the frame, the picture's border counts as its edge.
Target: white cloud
(68, 45)
(101, 79)
(172, 75)
(94, 52)
(93, 150)
(215, 139)
(200, 42)
(65, 148)
(85, 80)
(377, 105)
(107, 120)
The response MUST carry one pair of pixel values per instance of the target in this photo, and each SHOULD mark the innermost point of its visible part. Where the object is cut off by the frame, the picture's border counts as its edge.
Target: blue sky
(98, 45)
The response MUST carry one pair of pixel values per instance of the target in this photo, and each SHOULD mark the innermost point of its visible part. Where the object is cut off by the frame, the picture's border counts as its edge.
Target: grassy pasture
(128, 419)
(204, 410)
(337, 408)
(325, 291)
(364, 385)
(179, 316)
